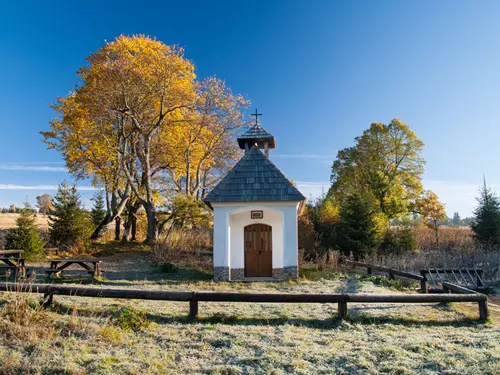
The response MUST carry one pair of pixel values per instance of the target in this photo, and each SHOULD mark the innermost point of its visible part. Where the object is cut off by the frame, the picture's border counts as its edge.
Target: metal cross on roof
(256, 116)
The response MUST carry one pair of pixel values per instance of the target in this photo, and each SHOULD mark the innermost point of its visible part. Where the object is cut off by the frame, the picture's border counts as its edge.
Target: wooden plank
(472, 279)
(97, 292)
(449, 270)
(388, 270)
(458, 289)
(11, 252)
(243, 297)
(480, 282)
(76, 260)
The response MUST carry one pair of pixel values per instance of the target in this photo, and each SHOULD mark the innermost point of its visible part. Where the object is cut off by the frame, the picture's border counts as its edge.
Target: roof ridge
(235, 187)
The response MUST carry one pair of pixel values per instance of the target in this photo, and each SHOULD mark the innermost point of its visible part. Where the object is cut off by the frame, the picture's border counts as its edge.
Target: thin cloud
(305, 156)
(41, 187)
(31, 168)
(313, 189)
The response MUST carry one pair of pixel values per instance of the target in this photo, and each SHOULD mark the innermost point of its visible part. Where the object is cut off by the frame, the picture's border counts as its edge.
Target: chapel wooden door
(258, 250)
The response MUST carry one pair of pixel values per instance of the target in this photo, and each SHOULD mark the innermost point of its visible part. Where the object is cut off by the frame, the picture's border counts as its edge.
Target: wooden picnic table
(92, 266)
(16, 264)
(13, 253)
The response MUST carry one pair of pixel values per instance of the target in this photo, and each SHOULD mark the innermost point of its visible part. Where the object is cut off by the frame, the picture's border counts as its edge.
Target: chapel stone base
(221, 273)
(238, 274)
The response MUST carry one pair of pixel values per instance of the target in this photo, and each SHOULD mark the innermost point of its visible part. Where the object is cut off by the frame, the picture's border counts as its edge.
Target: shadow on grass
(328, 323)
(331, 322)
(126, 278)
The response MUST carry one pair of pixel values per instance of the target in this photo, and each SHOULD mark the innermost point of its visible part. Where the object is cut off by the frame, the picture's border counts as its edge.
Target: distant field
(8, 221)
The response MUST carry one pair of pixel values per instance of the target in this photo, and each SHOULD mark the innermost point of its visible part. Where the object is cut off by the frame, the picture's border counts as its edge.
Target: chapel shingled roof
(254, 179)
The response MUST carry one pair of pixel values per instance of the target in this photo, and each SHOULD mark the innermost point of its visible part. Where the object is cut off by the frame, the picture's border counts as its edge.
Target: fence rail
(483, 305)
(468, 277)
(392, 273)
(49, 290)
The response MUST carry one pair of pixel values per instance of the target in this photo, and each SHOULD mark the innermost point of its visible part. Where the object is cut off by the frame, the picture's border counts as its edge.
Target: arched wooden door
(258, 250)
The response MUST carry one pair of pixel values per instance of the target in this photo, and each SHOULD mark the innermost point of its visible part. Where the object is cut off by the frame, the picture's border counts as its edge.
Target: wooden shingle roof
(256, 134)
(254, 178)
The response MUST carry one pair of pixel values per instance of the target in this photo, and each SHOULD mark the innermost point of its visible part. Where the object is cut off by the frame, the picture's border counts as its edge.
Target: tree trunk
(114, 210)
(152, 234)
(118, 221)
(134, 228)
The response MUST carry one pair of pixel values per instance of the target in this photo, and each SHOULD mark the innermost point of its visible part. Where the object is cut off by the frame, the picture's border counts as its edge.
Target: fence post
(342, 314)
(48, 298)
(483, 310)
(424, 287)
(193, 308)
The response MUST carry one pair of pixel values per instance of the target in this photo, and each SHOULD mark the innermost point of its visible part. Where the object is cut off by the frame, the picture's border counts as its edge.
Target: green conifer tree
(486, 223)
(98, 211)
(357, 230)
(69, 223)
(25, 236)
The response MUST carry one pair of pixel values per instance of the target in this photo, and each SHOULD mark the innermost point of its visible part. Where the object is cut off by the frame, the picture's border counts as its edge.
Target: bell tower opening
(256, 135)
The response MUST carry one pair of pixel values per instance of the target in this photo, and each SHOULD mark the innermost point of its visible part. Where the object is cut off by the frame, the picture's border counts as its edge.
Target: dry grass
(455, 239)
(8, 221)
(456, 249)
(239, 338)
(184, 248)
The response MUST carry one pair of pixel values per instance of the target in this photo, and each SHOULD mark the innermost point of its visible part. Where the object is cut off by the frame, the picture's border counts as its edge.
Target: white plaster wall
(238, 222)
(230, 220)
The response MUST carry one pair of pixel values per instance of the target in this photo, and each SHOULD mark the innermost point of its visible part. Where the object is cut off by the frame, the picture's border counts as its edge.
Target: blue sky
(319, 71)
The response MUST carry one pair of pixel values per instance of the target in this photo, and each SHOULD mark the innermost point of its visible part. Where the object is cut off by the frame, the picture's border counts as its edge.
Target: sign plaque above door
(257, 214)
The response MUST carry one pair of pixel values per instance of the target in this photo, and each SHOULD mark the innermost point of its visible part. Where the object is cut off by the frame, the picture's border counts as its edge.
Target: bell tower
(256, 135)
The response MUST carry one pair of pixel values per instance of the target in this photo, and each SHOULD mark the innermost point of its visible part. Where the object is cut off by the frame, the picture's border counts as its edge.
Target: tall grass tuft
(456, 249)
(185, 248)
(24, 318)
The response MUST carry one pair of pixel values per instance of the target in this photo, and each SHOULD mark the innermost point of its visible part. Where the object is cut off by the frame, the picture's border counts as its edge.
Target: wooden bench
(11, 253)
(92, 266)
(15, 264)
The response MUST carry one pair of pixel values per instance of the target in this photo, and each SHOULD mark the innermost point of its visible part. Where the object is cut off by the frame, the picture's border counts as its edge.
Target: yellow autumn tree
(432, 211)
(200, 145)
(139, 120)
(89, 146)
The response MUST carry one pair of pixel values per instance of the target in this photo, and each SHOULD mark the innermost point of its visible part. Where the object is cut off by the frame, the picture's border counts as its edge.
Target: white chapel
(255, 211)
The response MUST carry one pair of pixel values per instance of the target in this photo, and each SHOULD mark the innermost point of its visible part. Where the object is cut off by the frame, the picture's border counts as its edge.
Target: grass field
(8, 221)
(90, 336)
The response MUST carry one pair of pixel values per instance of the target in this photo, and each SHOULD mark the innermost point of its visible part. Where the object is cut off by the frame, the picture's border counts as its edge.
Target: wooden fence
(468, 277)
(392, 273)
(194, 298)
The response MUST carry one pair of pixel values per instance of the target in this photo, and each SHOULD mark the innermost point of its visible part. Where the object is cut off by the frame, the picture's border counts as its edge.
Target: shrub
(26, 236)
(128, 318)
(398, 241)
(307, 235)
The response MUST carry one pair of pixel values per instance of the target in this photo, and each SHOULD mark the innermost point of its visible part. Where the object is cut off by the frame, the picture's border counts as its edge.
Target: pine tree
(357, 231)
(26, 236)
(98, 211)
(456, 219)
(486, 223)
(69, 223)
